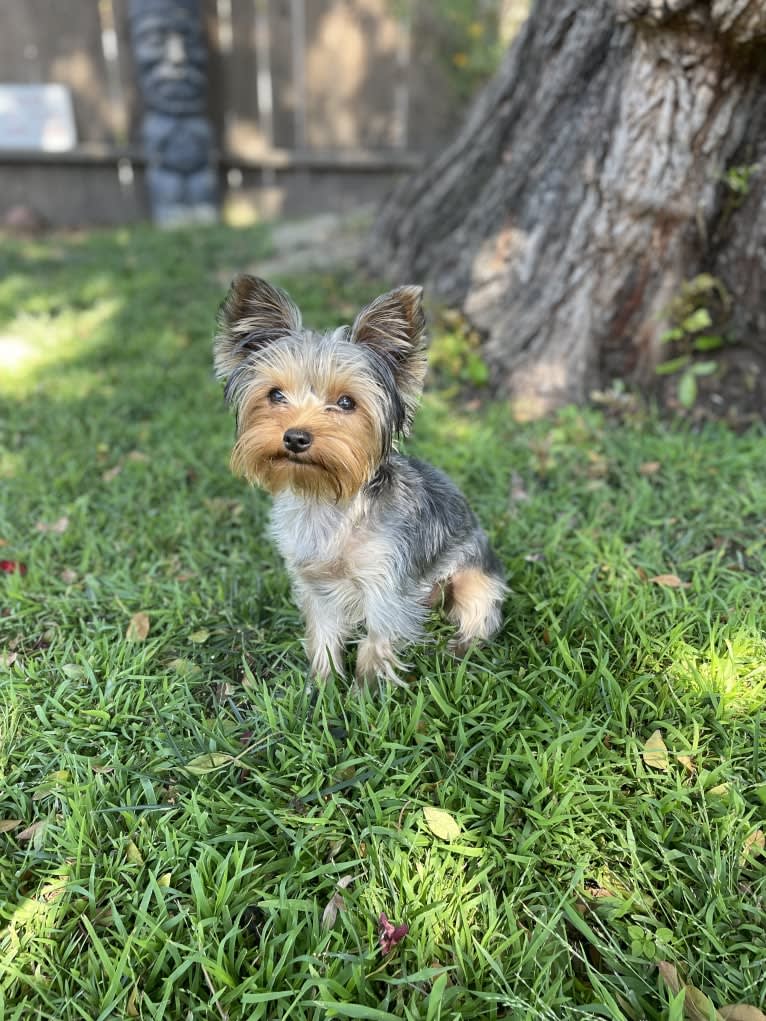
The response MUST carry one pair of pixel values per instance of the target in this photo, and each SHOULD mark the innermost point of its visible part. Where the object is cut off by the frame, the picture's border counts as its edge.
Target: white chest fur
(316, 537)
(345, 567)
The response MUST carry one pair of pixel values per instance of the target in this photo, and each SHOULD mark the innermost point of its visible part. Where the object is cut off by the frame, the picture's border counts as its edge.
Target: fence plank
(69, 194)
(351, 73)
(50, 41)
(285, 89)
(241, 132)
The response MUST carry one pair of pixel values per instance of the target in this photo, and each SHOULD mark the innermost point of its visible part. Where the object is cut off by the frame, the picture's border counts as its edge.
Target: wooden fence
(312, 103)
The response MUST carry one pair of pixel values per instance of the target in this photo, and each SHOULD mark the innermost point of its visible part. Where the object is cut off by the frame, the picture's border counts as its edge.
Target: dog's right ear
(252, 315)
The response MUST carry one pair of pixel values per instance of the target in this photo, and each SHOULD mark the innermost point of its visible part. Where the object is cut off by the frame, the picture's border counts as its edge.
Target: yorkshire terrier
(372, 539)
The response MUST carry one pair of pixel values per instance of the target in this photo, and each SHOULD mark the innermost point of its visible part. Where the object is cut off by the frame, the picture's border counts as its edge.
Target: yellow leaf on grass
(649, 468)
(185, 667)
(131, 1008)
(655, 754)
(138, 628)
(720, 790)
(687, 762)
(133, 855)
(754, 845)
(6, 825)
(441, 823)
(208, 762)
(199, 637)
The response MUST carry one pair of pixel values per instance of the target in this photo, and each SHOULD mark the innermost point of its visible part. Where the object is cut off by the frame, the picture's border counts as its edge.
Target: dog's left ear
(394, 327)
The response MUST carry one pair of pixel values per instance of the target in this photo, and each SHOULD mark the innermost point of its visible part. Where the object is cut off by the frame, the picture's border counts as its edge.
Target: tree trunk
(587, 186)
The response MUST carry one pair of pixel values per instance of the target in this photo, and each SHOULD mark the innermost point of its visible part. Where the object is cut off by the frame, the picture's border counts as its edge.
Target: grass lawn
(176, 820)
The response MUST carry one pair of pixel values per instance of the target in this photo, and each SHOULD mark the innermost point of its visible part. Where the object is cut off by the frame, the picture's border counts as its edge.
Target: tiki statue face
(170, 52)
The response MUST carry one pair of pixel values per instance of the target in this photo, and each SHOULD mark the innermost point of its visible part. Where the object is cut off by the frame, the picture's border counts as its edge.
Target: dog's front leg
(394, 618)
(377, 660)
(326, 633)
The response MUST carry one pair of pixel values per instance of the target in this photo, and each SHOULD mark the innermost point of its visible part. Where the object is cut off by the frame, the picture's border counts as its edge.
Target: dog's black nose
(297, 440)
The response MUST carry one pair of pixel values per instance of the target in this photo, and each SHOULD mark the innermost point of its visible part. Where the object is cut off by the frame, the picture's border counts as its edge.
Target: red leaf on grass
(389, 934)
(11, 566)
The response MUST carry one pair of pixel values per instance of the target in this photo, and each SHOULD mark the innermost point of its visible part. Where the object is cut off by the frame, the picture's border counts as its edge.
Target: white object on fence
(37, 117)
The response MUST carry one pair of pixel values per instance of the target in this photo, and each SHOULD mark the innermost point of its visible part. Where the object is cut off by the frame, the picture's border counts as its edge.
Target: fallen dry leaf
(111, 473)
(741, 1012)
(441, 823)
(336, 902)
(687, 762)
(131, 1007)
(598, 466)
(720, 790)
(31, 831)
(697, 1006)
(649, 468)
(654, 752)
(133, 855)
(518, 493)
(68, 576)
(669, 974)
(669, 581)
(754, 845)
(183, 666)
(208, 762)
(330, 913)
(6, 825)
(389, 934)
(225, 508)
(138, 628)
(56, 527)
(138, 456)
(199, 637)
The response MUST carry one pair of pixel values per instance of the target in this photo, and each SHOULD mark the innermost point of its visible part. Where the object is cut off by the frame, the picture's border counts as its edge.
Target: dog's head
(318, 412)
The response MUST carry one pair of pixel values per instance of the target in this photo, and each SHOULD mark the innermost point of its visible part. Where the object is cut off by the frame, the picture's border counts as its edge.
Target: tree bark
(586, 186)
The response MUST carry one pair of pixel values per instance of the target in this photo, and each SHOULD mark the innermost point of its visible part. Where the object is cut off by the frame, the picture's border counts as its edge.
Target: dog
(372, 540)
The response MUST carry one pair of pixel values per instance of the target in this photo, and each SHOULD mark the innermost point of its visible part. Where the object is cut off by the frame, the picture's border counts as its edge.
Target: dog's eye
(277, 397)
(346, 403)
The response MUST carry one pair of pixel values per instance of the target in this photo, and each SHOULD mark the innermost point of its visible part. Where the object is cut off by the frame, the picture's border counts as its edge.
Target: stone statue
(171, 57)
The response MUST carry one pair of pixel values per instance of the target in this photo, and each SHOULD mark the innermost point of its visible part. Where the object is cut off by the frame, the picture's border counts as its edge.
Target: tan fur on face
(345, 446)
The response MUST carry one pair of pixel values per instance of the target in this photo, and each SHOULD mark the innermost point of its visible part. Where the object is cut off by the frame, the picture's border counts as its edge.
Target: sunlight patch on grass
(46, 340)
(732, 672)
